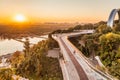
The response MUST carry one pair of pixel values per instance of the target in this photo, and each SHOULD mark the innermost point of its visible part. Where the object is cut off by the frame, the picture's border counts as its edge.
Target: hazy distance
(38, 11)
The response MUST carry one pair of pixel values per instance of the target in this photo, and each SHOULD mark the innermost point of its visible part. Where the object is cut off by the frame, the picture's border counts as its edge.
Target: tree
(116, 28)
(16, 59)
(70, 29)
(6, 74)
(78, 27)
(103, 29)
(36, 65)
(27, 47)
(109, 41)
(91, 47)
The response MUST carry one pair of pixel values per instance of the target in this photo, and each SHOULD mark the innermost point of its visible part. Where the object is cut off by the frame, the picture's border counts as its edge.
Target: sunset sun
(19, 18)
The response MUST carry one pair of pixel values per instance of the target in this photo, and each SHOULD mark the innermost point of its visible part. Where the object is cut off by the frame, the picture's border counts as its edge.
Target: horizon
(59, 40)
(57, 11)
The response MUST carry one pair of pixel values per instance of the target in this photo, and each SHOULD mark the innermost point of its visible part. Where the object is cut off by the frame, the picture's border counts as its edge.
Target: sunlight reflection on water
(10, 46)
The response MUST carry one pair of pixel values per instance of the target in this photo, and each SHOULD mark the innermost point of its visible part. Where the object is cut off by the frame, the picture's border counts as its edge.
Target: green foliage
(70, 29)
(6, 74)
(110, 52)
(37, 65)
(91, 44)
(50, 69)
(84, 27)
(116, 28)
(16, 59)
(27, 47)
(57, 31)
(109, 41)
(32, 63)
(105, 42)
(103, 29)
(78, 27)
(63, 31)
(51, 42)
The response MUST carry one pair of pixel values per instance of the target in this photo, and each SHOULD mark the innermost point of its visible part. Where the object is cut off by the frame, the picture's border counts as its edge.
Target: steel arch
(112, 17)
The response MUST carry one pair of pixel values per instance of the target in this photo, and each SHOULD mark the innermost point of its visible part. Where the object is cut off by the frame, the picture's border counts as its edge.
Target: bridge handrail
(109, 77)
(86, 60)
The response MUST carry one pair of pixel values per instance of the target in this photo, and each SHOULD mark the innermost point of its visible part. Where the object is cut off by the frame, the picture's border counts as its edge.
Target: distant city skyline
(38, 11)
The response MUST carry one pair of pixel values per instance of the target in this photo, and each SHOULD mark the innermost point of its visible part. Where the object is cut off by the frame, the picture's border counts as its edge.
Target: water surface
(10, 46)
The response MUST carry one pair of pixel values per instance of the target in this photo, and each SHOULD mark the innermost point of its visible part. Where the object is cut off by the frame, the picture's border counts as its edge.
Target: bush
(6, 74)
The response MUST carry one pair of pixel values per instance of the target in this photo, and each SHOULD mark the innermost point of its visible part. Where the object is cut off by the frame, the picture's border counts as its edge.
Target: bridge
(75, 65)
(112, 16)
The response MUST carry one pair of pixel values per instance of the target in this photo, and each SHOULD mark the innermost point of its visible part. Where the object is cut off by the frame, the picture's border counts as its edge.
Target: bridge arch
(112, 17)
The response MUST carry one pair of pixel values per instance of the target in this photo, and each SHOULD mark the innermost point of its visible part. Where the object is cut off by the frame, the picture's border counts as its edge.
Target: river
(10, 46)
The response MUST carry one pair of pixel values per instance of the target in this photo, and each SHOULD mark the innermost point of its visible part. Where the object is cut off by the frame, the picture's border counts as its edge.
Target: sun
(19, 18)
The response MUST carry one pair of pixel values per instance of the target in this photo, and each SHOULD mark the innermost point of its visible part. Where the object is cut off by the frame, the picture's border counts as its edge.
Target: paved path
(76, 65)
(79, 69)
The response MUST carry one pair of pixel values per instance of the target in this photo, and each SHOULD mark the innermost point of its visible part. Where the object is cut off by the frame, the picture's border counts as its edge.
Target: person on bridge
(74, 51)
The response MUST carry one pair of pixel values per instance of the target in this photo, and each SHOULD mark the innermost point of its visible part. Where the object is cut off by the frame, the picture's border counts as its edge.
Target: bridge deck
(78, 67)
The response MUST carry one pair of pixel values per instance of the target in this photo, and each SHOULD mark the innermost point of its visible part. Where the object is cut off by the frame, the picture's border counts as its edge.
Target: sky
(83, 11)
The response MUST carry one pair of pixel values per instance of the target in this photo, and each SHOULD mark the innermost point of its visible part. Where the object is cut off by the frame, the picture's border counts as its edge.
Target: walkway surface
(75, 65)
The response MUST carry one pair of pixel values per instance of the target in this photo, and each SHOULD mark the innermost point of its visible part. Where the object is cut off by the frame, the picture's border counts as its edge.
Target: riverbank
(12, 45)
(19, 36)
(35, 63)
(6, 56)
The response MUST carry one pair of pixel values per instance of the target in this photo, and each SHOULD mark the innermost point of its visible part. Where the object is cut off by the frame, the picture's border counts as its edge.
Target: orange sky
(83, 11)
